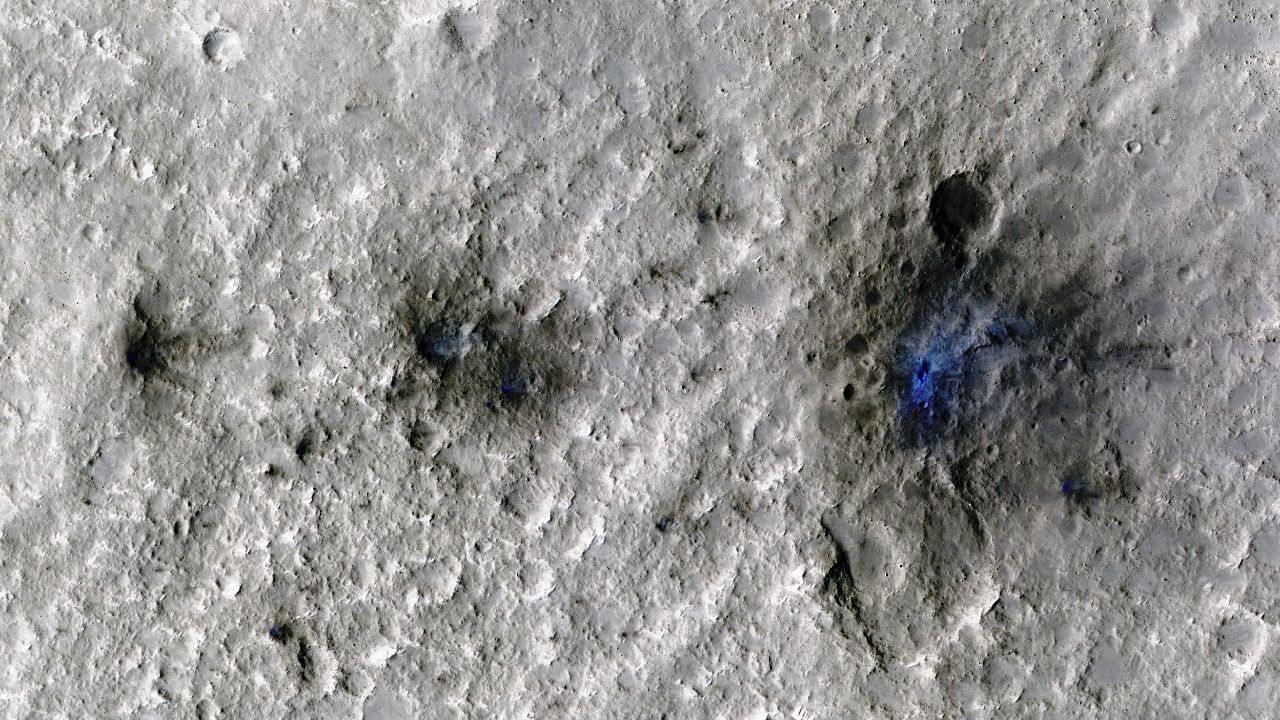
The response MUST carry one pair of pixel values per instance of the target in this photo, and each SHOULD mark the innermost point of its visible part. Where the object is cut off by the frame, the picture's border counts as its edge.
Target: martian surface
(400, 359)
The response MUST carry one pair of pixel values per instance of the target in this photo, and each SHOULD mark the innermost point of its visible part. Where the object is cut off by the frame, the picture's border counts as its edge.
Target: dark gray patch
(306, 661)
(147, 353)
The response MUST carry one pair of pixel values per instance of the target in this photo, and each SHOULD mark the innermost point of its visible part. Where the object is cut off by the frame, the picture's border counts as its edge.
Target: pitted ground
(234, 485)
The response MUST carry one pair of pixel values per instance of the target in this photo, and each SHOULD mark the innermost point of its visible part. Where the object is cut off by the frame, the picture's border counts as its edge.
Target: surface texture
(539, 359)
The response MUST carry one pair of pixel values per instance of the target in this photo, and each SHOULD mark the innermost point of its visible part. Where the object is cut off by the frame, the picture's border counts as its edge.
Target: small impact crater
(223, 47)
(309, 443)
(147, 353)
(444, 346)
(518, 380)
(313, 663)
(152, 352)
(1079, 490)
(960, 208)
(942, 372)
(281, 633)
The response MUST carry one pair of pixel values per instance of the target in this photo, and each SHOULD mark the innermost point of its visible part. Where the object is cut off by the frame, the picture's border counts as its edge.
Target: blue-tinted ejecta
(932, 380)
(517, 382)
(936, 371)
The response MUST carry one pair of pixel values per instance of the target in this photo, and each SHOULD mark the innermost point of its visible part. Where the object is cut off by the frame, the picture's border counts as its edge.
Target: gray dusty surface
(691, 359)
